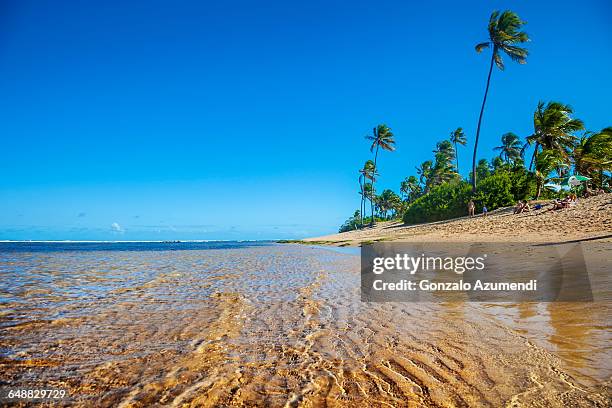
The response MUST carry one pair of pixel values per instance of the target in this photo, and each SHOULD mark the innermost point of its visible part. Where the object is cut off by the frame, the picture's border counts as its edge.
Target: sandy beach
(590, 218)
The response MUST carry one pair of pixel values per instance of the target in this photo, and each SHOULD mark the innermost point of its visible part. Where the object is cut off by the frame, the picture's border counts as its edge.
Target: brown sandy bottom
(282, 326)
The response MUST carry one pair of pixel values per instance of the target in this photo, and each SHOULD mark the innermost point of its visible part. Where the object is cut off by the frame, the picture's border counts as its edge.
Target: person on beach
(519, 207)
(522, 206)
(471, 208)
(555, 205)
(526, 207)
(484, 211)
(560, 204)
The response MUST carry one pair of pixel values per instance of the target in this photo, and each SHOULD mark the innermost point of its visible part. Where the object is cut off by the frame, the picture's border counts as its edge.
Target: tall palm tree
(511, 148)
(553, 127)
(458, 137)
(381, 137)
(504, 33)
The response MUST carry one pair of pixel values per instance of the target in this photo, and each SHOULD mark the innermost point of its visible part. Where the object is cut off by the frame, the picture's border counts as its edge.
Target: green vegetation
(437, 191)
(448, 200)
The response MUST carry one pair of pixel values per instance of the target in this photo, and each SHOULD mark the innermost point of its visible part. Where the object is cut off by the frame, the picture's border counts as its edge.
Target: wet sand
(283, 325)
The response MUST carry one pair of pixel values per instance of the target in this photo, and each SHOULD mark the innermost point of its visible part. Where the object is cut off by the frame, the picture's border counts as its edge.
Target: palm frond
(482, 46)
(498, 61)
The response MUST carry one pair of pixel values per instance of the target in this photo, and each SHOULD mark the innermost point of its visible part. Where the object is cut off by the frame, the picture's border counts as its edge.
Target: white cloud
(115, 227)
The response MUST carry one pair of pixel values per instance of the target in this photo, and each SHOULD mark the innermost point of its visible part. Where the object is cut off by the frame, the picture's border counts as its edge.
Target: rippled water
(221, 324)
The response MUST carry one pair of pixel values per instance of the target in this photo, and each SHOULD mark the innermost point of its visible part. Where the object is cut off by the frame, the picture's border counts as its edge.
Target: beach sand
(589, 218)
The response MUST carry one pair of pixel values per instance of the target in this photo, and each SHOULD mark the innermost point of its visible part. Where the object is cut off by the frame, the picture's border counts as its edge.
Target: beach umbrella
(574, 180)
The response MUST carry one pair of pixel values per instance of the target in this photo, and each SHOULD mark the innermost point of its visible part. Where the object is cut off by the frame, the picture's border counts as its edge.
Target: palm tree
(443, 169)
(504, 34)
(511, 148)
(381, 137)
(458, 137)
(410, 188)
(546, 162)
(553, 127)
(415, 188)
(445, 148)
(593, 154)
(387, 201)
(369, 173)
(425, 174)
(361, 193)
(405, 188)
(369, 195)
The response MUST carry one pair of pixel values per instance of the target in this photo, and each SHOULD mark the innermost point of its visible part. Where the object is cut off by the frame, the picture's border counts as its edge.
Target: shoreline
(590, 219)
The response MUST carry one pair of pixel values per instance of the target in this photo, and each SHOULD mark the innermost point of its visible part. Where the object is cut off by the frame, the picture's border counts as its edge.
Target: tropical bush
(445, 201)
(494, 191)
(523, 183)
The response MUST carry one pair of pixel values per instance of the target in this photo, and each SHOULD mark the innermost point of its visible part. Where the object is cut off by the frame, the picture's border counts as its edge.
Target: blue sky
(245, 120)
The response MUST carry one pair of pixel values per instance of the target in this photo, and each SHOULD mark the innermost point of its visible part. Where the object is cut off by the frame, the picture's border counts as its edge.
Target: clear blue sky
(245, 120)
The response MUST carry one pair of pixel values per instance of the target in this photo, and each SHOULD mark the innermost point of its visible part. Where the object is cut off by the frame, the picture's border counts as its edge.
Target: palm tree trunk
(484, 101)
(457, 157)
(535, 152)
(372, 196)
(361, 182)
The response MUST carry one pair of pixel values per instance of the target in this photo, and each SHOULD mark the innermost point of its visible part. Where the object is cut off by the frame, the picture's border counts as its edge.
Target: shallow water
(222, 324)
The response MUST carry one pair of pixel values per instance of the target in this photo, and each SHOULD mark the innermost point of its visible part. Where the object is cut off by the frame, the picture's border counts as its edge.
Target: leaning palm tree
(381, 137)
(504, 33)
(458, 137)
(511, 148)
(553, 127)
